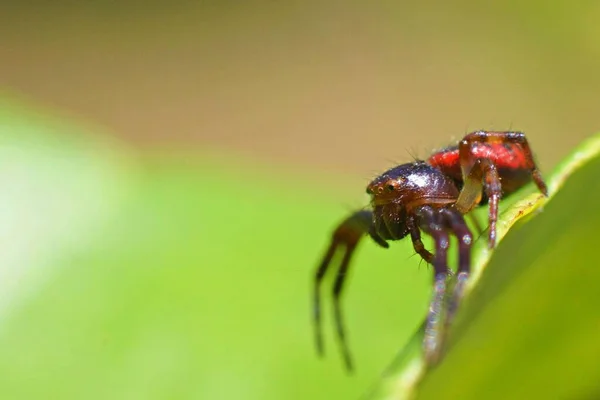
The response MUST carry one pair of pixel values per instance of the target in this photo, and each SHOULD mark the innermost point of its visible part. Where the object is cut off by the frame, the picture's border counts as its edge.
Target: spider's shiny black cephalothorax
(432, 196)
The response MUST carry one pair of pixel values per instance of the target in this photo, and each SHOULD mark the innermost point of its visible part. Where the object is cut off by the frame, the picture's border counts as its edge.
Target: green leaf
(528, 329)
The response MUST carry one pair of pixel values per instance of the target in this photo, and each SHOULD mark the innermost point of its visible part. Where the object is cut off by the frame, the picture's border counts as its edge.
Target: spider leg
(320, 274)
(346, 236)
(483, 170)
(337, 310)
(415, 235)
(429, 221)
(458, 226)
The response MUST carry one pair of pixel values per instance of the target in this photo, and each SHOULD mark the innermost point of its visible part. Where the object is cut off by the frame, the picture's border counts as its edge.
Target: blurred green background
(171, 173)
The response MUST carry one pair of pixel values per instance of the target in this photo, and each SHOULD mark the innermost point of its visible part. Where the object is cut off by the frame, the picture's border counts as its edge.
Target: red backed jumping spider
(432, 196)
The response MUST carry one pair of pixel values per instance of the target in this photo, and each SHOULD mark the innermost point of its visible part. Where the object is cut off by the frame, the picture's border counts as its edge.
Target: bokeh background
(172, 172)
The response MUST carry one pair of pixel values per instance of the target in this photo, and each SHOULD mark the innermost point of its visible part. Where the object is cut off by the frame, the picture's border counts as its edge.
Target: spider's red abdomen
(448, 161)
(508, 157)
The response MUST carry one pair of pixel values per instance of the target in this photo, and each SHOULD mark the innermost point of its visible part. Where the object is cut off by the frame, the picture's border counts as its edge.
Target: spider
(432, 196)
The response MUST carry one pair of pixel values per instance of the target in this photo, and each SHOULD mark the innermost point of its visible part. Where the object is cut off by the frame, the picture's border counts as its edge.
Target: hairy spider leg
(346, 236)
(458, 226)
(430, 222)
(437, 223)
(320, 274)
(338, 286)
(483, 171)
(415, 236)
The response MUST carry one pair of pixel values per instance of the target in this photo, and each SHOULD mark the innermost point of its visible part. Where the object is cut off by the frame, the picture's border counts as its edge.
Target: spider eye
(369, 191)
(390, 188)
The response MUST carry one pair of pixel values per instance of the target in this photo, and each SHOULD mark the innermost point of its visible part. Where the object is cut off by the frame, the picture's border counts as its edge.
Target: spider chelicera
(432, 196)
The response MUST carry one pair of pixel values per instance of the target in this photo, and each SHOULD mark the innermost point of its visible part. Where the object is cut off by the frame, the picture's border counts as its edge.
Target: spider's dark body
(399, 191)
(432, 196)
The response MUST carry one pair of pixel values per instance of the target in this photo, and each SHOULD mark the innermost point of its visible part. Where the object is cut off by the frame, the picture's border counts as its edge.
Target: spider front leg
(346, 237)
